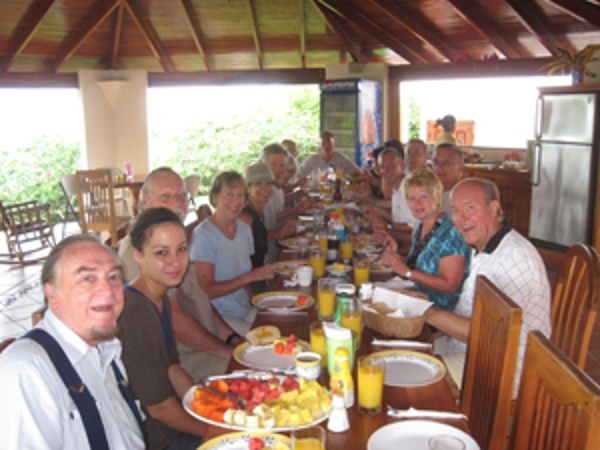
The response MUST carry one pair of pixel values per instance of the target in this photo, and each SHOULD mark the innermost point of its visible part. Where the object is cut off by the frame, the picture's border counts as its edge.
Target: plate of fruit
(259, 401)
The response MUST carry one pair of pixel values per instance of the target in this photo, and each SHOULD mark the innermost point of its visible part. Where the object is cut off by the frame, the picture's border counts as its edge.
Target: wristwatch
(408, 275)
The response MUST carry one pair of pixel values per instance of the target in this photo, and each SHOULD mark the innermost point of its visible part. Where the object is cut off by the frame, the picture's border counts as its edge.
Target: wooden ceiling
(49, 38)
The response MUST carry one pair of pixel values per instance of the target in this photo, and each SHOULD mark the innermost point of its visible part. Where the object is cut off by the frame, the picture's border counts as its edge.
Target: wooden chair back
(68, 185)
(491, 360)
(558, 405)
(95, 193)
(575, 302)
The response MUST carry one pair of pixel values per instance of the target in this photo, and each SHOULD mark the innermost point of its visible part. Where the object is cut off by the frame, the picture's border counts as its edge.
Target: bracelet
(408, 275)
(231, 337)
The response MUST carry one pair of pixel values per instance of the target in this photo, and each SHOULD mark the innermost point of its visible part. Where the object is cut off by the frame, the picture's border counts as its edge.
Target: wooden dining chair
(558, 406)
(68, 185)
(97, 212)
(575, 302)
(490, 365)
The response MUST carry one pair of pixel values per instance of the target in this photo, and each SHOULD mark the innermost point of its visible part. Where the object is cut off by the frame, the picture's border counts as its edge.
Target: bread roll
(264, 335)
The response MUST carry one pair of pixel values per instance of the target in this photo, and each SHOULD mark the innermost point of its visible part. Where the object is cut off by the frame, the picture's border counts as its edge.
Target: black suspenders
(86, 404)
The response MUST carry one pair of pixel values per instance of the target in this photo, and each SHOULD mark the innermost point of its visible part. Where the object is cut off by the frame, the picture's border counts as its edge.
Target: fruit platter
(259, 401)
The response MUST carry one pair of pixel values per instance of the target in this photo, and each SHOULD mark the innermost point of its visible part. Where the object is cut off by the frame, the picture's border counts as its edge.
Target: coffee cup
(308, 365)
(304, 275)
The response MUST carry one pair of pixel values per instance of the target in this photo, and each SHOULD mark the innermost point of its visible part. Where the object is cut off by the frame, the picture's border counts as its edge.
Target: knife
(400, 343)
(412, 413)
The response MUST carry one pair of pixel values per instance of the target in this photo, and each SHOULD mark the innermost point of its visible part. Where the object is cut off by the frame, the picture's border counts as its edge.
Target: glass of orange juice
(347, 250)
(317, 341)
(351, 318)
(371, 373)
(323, 239)
(361, 271)
(317, 261)
(312, 438)
(326, 299)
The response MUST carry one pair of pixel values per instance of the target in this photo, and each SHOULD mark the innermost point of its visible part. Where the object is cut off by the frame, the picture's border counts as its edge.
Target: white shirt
(401, 213)
(37, 411)
(516, 268)
(275, 205)
(316, 162)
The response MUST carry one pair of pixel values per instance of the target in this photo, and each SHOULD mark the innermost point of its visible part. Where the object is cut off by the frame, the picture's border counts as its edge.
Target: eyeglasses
(444, 162)
(167, 197)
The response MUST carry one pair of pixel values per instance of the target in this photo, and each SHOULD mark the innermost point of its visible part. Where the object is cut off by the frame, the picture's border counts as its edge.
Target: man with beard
(75, 345)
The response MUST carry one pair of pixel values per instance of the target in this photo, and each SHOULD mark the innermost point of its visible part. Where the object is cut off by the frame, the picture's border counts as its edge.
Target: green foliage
(414, 119)
(234, 143)
(33, 173)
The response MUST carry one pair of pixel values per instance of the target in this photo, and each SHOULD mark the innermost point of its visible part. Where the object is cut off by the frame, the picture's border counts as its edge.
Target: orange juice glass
(323, 241)
(371, 372)
(312, 438)
(326, 299)
(347, 250)
(317, 341)
(361, 272)
(353, 321)
(317, 261)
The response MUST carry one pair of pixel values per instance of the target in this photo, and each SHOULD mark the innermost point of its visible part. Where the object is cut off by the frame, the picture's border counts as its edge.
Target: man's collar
(494, 242)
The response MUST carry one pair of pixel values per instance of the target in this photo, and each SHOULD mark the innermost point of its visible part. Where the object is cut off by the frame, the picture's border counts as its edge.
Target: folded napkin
(402, 304)
(412, 413)
(396, 283)
(400, 343)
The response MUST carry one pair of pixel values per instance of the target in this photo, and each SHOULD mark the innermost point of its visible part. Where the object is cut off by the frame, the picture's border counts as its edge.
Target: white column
(115, 119)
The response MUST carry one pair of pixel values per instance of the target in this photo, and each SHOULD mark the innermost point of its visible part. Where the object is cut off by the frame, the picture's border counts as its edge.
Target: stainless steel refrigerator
(563, 168)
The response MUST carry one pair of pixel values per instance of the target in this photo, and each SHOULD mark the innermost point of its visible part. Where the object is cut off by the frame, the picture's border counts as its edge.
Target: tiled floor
(21, 295)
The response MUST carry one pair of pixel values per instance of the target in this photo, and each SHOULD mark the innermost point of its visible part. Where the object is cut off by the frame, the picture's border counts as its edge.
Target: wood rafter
(255, 35)
(31, 21)
(303, 32)
(376, 32)
(484, 26)
(117, 40)
(581, 10)
(334, 24)
(536, 26)
(195, 29)
(149, 36)
(98, 15)
(423, 31)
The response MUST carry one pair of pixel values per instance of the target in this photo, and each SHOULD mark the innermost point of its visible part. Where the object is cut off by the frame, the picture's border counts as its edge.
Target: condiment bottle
(338, 419)
(341, 382)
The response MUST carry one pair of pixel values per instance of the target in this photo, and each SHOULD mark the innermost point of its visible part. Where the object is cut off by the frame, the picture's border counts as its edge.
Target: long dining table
(439, 396)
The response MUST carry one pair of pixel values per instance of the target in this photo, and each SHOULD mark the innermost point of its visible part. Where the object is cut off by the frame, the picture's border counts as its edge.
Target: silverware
(400, 343)
(282, 312)
(412, 413)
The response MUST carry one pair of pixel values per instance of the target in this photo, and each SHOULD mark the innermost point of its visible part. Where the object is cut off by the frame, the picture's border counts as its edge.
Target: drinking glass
(361, 271)
(326, 298)
(351, 318)
(347, 250)
(317, 341)
(371, 373)
(312, 438)
(317, 261)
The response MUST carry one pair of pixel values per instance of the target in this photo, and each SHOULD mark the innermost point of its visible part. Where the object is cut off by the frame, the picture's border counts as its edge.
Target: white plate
(414, 434)
(239, 441)
(407, 368)
(338, 273)
(281, 301)
(288, 268)
(264, 357)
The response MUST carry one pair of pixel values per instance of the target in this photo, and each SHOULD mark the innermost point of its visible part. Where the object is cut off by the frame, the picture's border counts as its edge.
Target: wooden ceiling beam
(149, 36)
(196, 31)
(477, 19)
(376, 32)
(30, 22)
(334, 24)
(73, 41)
(533, 21)
(117, 40)
(426, 32)
(255, 36)
(580, 9)
(303, 33)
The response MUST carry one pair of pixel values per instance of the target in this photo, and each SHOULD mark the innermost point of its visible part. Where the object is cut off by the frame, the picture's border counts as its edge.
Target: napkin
(404, 305)
(412, 413)
(396, 283)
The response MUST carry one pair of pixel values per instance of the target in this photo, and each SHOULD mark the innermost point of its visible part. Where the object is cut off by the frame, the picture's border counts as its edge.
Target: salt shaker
(338, 419)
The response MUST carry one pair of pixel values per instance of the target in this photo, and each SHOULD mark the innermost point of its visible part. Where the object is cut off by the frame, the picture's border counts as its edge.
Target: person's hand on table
(394, 261)
(382, 237)
(265, 272)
